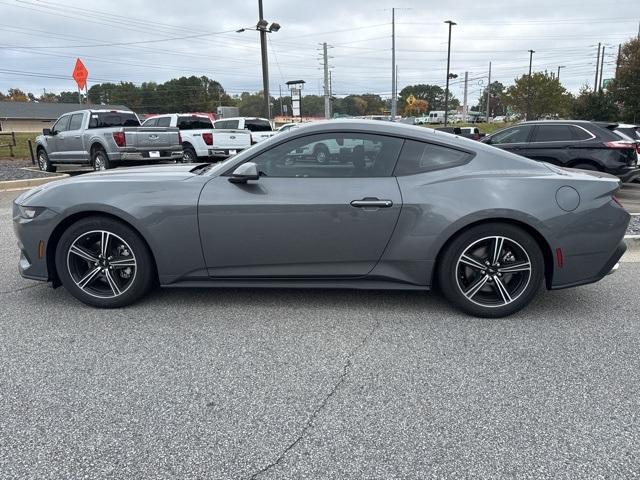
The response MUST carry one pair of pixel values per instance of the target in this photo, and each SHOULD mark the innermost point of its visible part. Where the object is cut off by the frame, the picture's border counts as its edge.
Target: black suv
(571, 143)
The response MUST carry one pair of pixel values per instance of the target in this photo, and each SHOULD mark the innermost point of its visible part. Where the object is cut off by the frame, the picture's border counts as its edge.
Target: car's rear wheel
(104, 263)
(189, 155)
(43, 162)
(100, 160)
(586, 166)
(321, 154)
(491, 270)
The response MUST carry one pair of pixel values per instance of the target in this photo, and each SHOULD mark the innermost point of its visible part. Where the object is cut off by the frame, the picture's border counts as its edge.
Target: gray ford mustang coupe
(389, 206)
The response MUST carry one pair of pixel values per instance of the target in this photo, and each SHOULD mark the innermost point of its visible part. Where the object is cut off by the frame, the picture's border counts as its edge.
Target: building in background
(34, 116)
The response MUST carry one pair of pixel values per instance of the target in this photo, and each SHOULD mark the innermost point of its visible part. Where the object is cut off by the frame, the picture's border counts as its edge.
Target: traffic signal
(453, 75)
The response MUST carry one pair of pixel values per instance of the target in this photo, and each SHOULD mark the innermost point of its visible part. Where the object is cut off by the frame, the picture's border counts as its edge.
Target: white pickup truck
(260, 128)
(199, 138)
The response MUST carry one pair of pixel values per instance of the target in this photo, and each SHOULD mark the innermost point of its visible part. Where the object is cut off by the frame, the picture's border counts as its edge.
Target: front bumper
(29, 233)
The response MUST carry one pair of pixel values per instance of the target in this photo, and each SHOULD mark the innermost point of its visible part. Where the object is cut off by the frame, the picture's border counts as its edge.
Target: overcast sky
(42, 38)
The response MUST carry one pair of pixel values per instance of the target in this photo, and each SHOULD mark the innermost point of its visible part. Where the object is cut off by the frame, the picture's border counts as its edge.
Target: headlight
(29, 213)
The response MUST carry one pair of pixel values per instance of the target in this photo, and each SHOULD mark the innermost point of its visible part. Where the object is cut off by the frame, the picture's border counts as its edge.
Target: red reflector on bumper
(559, 258)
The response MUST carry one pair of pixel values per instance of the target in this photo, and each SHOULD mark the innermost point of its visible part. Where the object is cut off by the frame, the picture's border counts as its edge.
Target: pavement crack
(2, 292)
(310, 421)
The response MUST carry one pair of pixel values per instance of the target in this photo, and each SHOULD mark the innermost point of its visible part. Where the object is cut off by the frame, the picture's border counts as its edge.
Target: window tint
(152, 122)
(580, 133)
(257, 125)
(113, 119)
(164, 122)
(76, 121)
(331, 155)
(230, 124)
(630, 132)
(553, 133)
(194, 123)
(517, 134)
(419, 157)
(62, 125)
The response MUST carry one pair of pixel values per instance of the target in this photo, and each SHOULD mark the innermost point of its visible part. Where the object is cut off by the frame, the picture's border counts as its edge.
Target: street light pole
(265, 62)
(559, 67)
(446, 91)
(531, 52)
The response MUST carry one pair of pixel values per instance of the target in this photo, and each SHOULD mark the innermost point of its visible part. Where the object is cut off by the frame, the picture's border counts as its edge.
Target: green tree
(432, 94)
(626, 86)
(548, 96)
(16, 95)
(496, 107)
(599, 106)
(68, 97)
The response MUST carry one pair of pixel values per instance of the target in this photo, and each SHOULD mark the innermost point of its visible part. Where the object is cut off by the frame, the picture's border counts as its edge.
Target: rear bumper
(223, 152)
(146, 155)
(609, 267)
(630, 175)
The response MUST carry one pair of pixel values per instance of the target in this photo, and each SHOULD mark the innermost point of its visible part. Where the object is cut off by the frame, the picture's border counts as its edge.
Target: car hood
(141, 174)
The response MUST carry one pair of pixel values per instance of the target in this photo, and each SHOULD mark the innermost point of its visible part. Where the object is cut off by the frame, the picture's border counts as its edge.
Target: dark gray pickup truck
(104, 139)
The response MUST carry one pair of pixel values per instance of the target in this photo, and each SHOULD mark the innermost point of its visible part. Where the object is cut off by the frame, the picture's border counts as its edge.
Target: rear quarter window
(419, 157)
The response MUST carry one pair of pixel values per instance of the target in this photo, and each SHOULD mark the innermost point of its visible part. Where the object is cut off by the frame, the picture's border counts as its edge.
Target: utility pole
(446, 90)
(559, 67)
(464, 104)
(488, 94)
(595, 83)
(618, 59)
(601, 67)
(528, 117)
(265, 64)
(327, 107)
(281, 110)
(393, 65)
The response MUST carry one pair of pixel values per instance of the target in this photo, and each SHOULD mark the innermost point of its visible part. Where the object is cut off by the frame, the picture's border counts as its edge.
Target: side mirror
(245, 172)
(46, 132)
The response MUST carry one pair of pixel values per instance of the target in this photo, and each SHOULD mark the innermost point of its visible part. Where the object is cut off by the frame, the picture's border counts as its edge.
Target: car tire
(321, 154)
(189, 155)
(43, 162)
(100, 160)
(110, 277)
(504, 286)
(586, 166)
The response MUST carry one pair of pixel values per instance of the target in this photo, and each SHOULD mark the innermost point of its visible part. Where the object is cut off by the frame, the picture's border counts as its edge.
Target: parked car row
(107, 138)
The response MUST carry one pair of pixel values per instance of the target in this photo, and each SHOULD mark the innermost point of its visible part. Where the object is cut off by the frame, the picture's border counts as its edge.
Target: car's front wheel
(44, 163)
(491, 270)
(104, 263)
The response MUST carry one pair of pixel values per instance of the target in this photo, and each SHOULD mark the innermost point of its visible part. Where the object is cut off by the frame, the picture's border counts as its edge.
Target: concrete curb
(633, 243)
(9, 185)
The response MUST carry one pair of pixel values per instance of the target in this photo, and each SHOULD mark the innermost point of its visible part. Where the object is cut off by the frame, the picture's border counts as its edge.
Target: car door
(55, 142)
(553, 143)
(513, 139)
(303, 219)
(73, 141)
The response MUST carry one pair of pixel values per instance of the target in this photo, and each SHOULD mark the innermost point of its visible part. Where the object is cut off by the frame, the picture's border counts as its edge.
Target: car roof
(243, 118)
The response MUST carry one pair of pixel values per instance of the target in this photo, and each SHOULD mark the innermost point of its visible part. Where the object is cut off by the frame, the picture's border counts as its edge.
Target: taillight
(208, 138)
(620, 144)
(617, 201)
(476, 136)
(120, 139)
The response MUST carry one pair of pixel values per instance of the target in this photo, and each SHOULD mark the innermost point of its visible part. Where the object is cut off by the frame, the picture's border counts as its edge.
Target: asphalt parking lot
(316, 384)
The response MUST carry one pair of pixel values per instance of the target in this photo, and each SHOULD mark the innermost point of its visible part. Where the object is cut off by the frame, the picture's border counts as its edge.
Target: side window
(76, 121)
(62, 125)
(553, 133)
(517, 134)
(164, 122)
(233, 124)
(419, 157)
(580, 133)
(152, 122)
(331, 155)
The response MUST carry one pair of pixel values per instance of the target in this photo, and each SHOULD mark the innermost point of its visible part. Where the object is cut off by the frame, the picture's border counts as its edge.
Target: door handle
(371, 203)
(77, 137)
